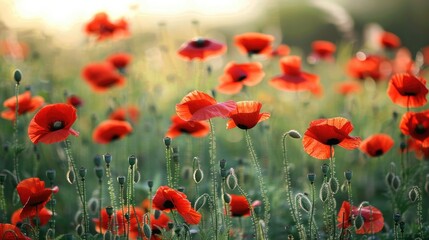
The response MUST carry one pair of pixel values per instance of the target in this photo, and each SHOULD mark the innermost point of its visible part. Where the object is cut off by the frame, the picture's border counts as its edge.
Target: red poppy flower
(372, 66)
(254, 43)
(26, 104)
(75, 101)
(239, 207)
(44, 215)
(236, 75)
(407, 90)
(157, 225)
(180, 126)
(281, 51)
(168, 199)
(293, 79)
(323, 134)
(389, 40)
(372, 217)
(101, 27)
(119, 60)
(198, 106)
(111, 130)
(120, 227)
(425, 53)
(322, 50)
(13, 49)
(11, 232)
(33, 196)
(376, 145)
(52, 123)
(201, 49)
(246, 115)
(416, 125)
(403, 62)
(419, 151)
(126, 113)
(102, 76)
(348, 87)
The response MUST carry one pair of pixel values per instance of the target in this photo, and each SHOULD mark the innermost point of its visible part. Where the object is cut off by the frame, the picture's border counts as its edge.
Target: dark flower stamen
(332, 141)
(168, 204)
(57, 125)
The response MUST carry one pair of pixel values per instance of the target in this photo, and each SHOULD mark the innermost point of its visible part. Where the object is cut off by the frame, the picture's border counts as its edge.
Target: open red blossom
(246, 115)
(158, 224)
(322, 50)
(237, 75)
(26, 103)
(323, 134)
(75, 101)
(416, 125)
(180, 126)
(239, 207)
(44, 215)
(117, 223)
(407, 90)
(52, 123)
(369, 66)
(33, 196)
(11, 232)
(119, 60)
(103, 28)
(348, 87)
(254, 43)
(127, 113)
(102, 76)
(201, 49)
(376, 145)
(111, 130)
(293, 78)
(198, 106)
(389, 40)
(281, 51)
(168, 199)
(419, 151)
(372, 217)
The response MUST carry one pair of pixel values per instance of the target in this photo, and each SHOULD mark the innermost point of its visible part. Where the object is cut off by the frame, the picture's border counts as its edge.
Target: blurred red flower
(74, 100)
(416, 125)
(157, 224)
(52, 123)
(293, 78)
(348, 87)
(180, 126)
(33, 196)
(323, 134)
(254, 43)
(11, 232)
(168, 199)
(322, 50)
(44, 215)
(101, 27)
(111, 130)
(246, 115)
(403, 62)
(237, 75)
(425, 53)
(389, 40)
(102, 76)
(372, 66)
(239, 207)
(376, 145)
(407, 90)
(201, 49)
(198, 106)
(420, 152)
(127, 113)
(13, 49)
(373, 221)
(26, 103)
(119, 224)
(119, 60)
(281, 51)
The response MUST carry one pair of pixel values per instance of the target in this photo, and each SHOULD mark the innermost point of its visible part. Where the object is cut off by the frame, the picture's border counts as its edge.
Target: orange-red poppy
(281, 51)
(254, 43)
(33, 196)
(323, 134)
(389, 40)
(348, 87)
(119, 60)
(26, 103)
(376, 145)
(74, 100)
(127, 113)
(201, 49)
(407, 90)
(180, 126)
(425, 53)
(168, 199)
(103, 28)
(237, 75)
(403, 62)
(52, 123)
(158, 224)
(13, 49)
(11, 232)
(119, 224)
(322, 50)
(246, 115)
(293, 78)
(43, 216)
(198, 106)
(102, 76)
(419, 151)
(239, 207)
(369, 66)
(416, 125)
(111, 130)
(373, 221)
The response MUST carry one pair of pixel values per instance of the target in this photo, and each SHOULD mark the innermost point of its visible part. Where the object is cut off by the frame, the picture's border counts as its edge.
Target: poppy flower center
(242, 126)
(379, 152)
(115, 137)
(241, 77)
(168, 204)
(57, 125)
(332, 141)
(200, 43)
(420, 129)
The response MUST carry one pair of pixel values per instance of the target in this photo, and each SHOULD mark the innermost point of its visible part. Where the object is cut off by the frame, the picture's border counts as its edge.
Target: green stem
(312, 209)
(15, 133)
(213, 174)
(252, 214)
(168, 163)
(85, 213)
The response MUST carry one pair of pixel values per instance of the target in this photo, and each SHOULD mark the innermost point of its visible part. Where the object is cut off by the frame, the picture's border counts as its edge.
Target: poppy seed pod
(17, 76)
(167, 141)
(97, 160)
(348, 175)
(325, 168)
(82, 172)
(222, 163)
(121, 180)
(311, 177)
(132, 160)
(107, 159)
(150, 184)
(397, 218)
(294, 134)
(99, 172)
(50, 174)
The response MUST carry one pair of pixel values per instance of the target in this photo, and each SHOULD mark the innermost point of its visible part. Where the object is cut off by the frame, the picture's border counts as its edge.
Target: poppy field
(212, 135)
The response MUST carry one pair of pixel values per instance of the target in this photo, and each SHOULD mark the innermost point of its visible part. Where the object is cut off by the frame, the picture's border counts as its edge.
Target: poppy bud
(231, 180)
(71, 177)
(413, 194)
(99, 172)
(82, 172)
(222, 163)
(170, 225)
(127, 216)
(334, 185)
(198, 175)
(303, 202)
(396, 183)
(226, 198)
(397, 218)
(200, 202)
(107, 159)
(108, 235)
(93, 205)
(325, 169)
(359, 221)
(157, 213)
(50, 174)
(223, 173)
(324, 192)
(132, 160)
(97, 160)
(147, 231)
(348, 175)
(79, 230)
(121, 180)
(17, 76)
(167, 141)
(294, 134)
(109, 211)
(389, 177)
(311, 177)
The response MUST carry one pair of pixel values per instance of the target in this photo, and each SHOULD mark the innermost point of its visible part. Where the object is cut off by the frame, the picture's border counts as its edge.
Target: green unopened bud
(389, 177)
(348, 175)
(231, 180)
(132, 160)
(359, 221)
(325, 169)
(147, 231)
(311, 177)
(51, 174)
(303, 202)
(294, 134)
(324, 192)
(223, 173)
(99, 172)
(396, 183)
(17, 76)
(157, 213)
(198, 175)
(334, 185)
(226, 198)
(108, 235)
(167, 142)
(107, 159)
(97, 160)
(170, 225)
(200, 202)
(82, 172)
(222, 163)
(109, 211)
(413, 194)
(121, 180)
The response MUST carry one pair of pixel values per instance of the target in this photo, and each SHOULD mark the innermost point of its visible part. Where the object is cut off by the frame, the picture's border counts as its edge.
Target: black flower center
(200, 43)
(241, 77)
(242, 126)
(420, 129)
(379, 152)
(184, 130)
(57, 125)
(332, 141)
(168, 204)
(410, 93)
(115, 137)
